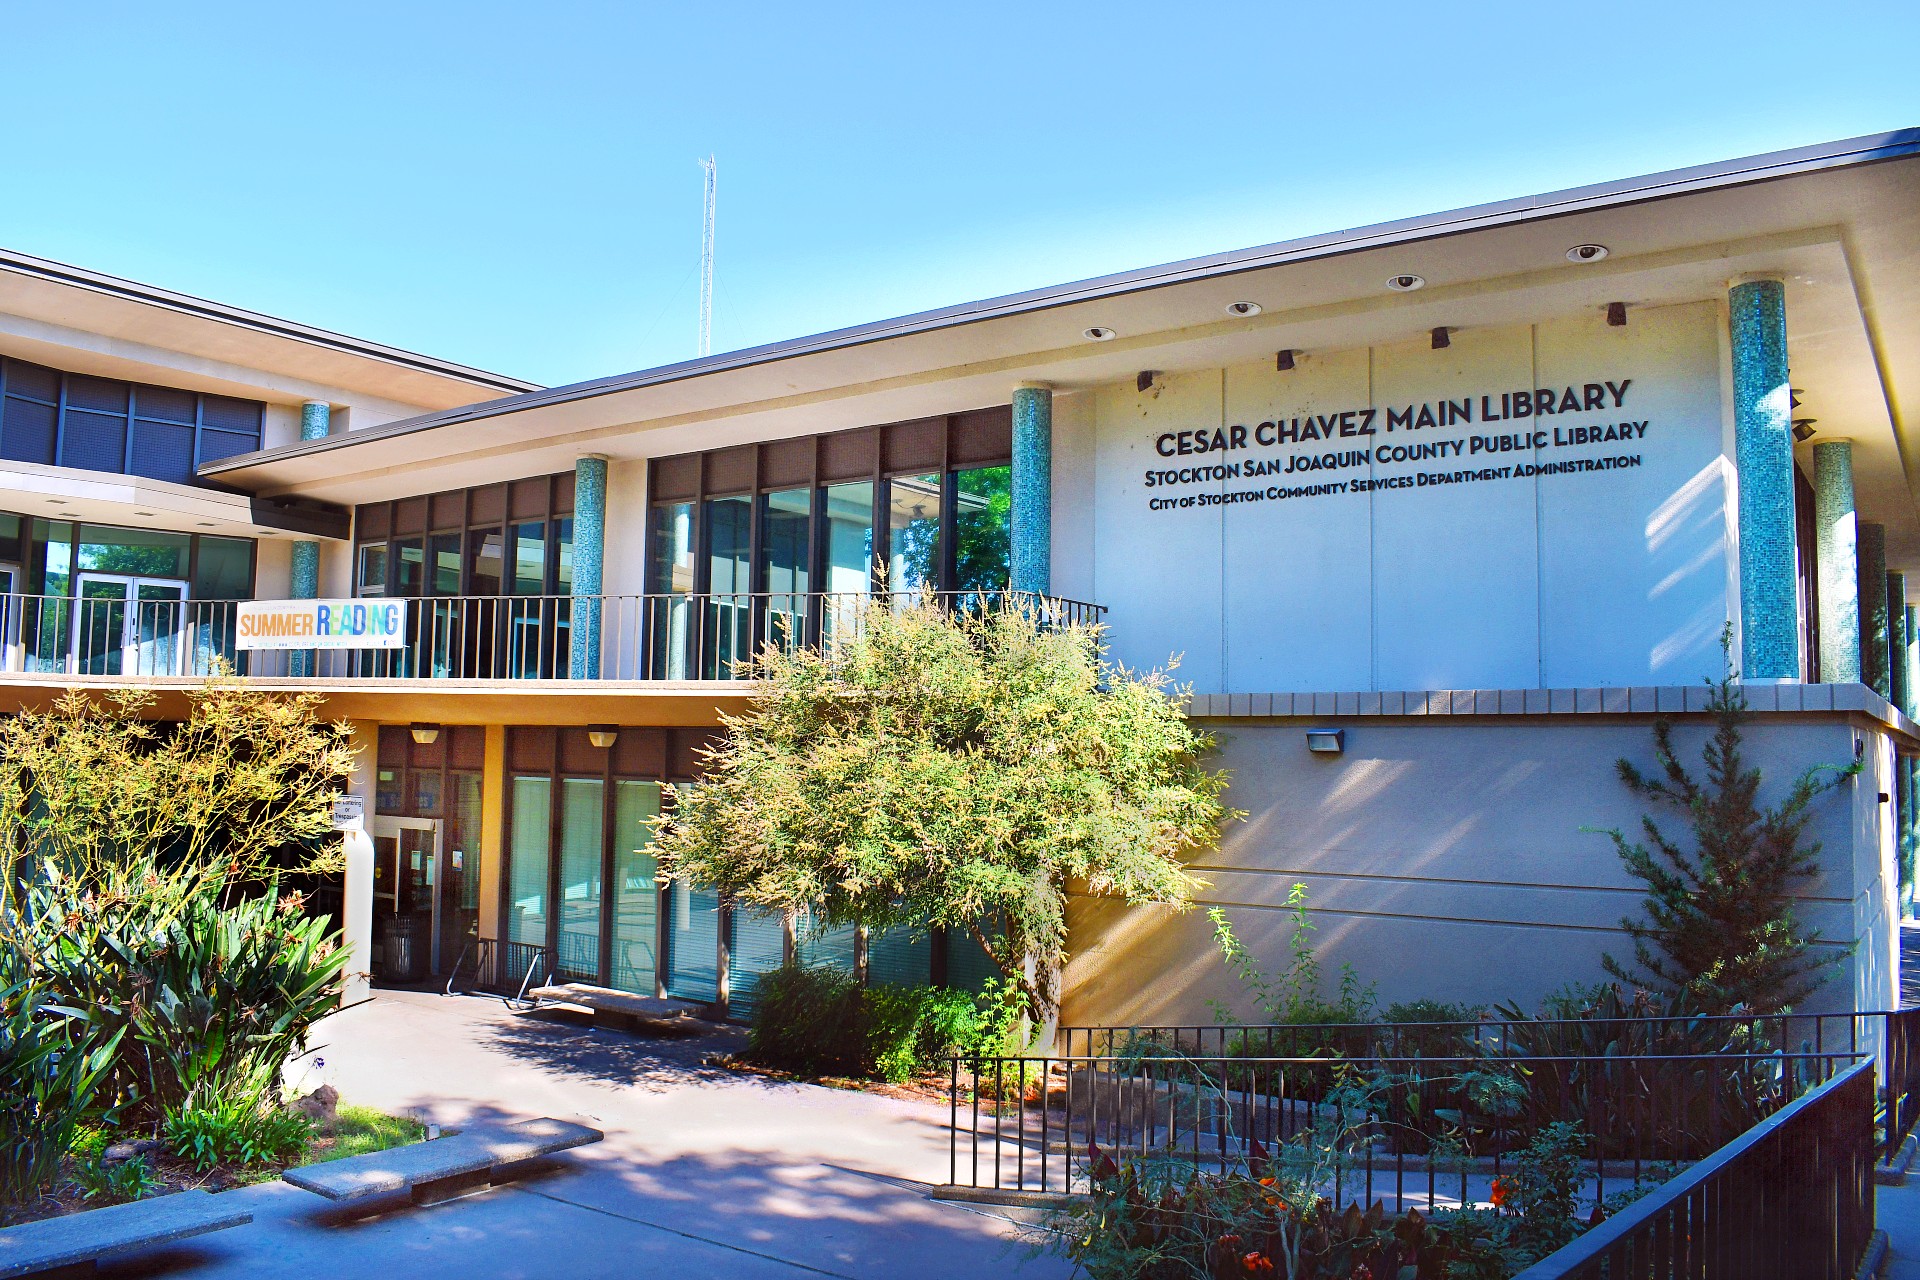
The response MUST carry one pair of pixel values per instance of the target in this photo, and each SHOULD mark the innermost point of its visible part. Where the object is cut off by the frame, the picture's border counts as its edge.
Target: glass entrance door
(410, 882)
(128, 626)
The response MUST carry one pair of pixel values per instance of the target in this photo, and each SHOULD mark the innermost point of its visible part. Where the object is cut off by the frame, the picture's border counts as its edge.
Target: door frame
(387, 826)
(130, 584)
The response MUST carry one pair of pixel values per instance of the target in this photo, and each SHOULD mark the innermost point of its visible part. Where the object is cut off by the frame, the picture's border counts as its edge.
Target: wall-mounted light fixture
(1440, 339)
(1617, 314)
(1327, 742)
(1144, 380)
(603, 735)
(1803, 428)
(423, 733)
(1243, 308)
(1405, 283)
(1586, 253)
(1283, 361)
(1098, 333)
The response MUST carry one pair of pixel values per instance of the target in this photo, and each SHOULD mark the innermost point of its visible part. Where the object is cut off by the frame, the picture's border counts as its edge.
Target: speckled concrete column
(1897, 639)
(1874, 631)
(589, 554)
(1763, 455)
(316, 418)
(1032, 489)
(1836, 561)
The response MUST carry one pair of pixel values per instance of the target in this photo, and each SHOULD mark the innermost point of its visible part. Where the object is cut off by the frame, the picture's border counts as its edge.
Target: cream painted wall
(624, 569)
(1448, 860)
(272, 568)
(1616, 577)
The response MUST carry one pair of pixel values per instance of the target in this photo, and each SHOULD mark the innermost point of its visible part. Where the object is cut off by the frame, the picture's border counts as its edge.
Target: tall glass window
(729, 625)
(636, 896)
(848, 512)
(913, 533)
(982, 529)
(786, 542)
(669, 582)
(532, 847)
(373, 569)
(582, 831)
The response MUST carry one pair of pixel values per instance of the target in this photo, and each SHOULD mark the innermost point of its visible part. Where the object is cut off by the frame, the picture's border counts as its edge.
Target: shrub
(819, 1021)
(48, 1077)
(1292, 997)
(204, 997)
(808, 1020)
(214, 1128)
(103, 1181)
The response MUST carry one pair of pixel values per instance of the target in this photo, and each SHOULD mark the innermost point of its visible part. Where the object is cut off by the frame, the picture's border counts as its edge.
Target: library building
(1437, 517)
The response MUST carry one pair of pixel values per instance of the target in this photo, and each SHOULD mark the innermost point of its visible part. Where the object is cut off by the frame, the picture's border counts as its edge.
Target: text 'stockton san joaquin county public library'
(1478, 491)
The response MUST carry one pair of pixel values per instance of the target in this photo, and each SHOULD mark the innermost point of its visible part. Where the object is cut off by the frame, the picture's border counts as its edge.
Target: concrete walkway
(1897, 1210)
(703, 1173)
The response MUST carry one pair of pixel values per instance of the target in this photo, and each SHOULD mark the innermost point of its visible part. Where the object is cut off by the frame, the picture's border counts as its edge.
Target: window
(101, 424)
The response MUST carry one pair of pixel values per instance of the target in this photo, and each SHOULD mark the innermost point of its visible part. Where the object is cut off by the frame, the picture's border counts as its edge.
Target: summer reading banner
(323, 624)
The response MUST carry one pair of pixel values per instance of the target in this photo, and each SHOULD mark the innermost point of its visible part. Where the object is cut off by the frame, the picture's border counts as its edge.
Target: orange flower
(1501, 1191)
(1256, 1263)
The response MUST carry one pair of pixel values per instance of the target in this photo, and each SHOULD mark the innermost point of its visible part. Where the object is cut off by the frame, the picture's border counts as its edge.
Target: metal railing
(1413, 1132)
(506, 969)
(1793, 1196)
(675, 636)
(1891, 1037)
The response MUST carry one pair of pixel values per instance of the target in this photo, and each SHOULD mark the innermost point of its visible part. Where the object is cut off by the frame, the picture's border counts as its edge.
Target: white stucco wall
(1606, 577)
(1451, 860)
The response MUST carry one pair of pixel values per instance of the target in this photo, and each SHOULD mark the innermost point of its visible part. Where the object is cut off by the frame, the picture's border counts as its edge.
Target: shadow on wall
(1443, 861)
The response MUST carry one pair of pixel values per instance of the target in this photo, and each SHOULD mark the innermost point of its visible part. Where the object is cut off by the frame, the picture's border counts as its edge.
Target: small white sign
(347, 812)
(323, 624)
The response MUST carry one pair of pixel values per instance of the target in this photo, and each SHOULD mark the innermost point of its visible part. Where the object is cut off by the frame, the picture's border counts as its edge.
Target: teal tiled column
(1874, 631)
(1032, 489)
(1763, 456)
(1897, 691)
(589, 556)
(1836, 560)
(316, 419)
(1912, 659)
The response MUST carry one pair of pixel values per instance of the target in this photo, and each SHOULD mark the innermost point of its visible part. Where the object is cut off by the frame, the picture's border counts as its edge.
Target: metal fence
(675, 636)
(1792, 1197)
(1415, 1132)
(1891, 1037)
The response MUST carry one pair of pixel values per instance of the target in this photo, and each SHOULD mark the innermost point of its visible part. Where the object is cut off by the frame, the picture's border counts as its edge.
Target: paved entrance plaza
(703, 1173)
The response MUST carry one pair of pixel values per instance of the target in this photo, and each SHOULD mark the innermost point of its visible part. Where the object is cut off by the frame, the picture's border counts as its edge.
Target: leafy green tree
(952, 771)
(1719, 921)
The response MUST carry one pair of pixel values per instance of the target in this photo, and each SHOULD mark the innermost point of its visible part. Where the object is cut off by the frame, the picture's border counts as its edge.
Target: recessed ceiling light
(208, 524)
(1586, 253)
(56, 502)
(1099, 333)
(1405, 284)
(1243, 308)
(144, 513)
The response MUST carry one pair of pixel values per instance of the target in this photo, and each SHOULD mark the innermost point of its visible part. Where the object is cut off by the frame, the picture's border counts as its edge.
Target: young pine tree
(1719, 922)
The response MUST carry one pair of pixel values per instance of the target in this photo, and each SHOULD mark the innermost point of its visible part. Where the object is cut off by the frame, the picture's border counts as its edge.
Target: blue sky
(514, 185)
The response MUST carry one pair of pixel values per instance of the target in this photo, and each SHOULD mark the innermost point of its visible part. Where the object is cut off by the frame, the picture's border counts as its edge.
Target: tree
(951, 771)
(1719, 921)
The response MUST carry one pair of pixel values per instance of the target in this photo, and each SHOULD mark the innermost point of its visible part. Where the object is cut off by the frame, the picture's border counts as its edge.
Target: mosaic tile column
(1897, 690)
(1032, 489)
(589, 553)
(316, 419)
(1836, 561)
(1874, 631)
(1763, 456)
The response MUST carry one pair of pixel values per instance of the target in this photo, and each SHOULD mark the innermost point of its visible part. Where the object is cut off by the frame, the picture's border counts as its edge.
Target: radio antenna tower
(706, 265)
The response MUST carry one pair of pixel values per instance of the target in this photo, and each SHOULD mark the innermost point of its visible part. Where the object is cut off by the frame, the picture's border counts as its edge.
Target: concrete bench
(623, 1008)
(443, 1168)
(70, 1246)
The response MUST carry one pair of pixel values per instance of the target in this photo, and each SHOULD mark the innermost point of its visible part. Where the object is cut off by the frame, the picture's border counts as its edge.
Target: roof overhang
(687, 704)
(128, 318)
(1840, 221)
(99, 497)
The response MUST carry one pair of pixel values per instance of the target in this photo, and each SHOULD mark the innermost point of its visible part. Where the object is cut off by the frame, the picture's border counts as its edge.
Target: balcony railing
(616, 637)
